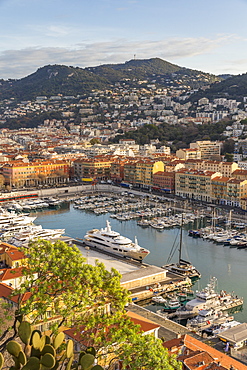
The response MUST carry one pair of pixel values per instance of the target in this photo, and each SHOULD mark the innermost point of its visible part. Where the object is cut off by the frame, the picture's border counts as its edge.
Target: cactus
(68, 367)
(58, 340)
(91, 350)
(49, 349)
(17, 363)
(82, 353)
(87, 361)
(36, 341)
(1, 360)
(25, 331)
(14, 348)
(69, 349)
(35, 352)
(47, 339)
(46, 352)
(22, 358)
(33, 332)
(48, 360)
(32, 364)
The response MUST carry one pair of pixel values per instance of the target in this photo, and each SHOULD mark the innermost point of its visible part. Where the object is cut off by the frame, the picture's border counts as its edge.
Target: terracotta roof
(80, 335)
(6, 246)
(221, 179)
(145, 324)
(6, 291)
(15, 255)
(218, 356)
(198, 361)
(7, 274)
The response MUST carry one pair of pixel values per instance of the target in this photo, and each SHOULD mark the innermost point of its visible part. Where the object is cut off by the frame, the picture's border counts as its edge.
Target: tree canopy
(180, 135)
(62, 285)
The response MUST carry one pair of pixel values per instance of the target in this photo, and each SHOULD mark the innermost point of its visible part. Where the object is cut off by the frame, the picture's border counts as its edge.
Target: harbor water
(228, 265)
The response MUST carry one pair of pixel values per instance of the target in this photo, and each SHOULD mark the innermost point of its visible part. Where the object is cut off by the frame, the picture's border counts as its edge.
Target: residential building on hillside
(130, 171)
(225, 168)
(195, 354)
(145, 169)
(208, 149)
(188, 153)
(117, 169)
(240, 174)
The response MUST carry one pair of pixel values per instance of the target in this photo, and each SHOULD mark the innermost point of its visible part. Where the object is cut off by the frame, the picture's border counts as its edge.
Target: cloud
(20, 63)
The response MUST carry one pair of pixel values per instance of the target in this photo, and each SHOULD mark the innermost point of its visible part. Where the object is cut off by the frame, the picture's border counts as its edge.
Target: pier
(168, 329)
(142, 280)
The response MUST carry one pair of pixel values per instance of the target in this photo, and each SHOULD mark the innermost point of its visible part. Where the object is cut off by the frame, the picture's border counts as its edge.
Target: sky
(206, 35)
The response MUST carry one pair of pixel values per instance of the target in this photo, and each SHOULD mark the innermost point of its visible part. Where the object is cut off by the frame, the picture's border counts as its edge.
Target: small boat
(208, 317)
(172, 305)
(159, 299)
(218, 328)
(143, 223)
(182, 296)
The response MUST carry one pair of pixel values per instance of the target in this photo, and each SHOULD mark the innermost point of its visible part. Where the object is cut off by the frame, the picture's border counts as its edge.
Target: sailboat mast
(181, 238)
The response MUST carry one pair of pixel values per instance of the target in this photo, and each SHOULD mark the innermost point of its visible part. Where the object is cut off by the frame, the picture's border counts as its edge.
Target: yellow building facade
(21, 174)
(194, 184)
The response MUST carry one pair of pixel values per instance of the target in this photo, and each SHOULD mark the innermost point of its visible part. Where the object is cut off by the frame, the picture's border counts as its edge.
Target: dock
(168, 329)
(142, 280)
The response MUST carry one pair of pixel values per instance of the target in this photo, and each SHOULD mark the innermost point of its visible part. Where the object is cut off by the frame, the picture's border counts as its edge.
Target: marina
(210, 259)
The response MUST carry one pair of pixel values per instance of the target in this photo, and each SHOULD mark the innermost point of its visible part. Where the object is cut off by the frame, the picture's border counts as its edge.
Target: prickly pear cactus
(44, 352)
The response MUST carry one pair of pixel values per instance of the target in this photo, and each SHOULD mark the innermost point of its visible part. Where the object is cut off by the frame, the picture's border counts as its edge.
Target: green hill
(53, 80)
(234, 87)
(60, 79)
(163, 72)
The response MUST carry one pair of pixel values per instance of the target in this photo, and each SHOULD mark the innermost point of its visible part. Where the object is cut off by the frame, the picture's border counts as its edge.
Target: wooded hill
(234, 87)
(59, 79)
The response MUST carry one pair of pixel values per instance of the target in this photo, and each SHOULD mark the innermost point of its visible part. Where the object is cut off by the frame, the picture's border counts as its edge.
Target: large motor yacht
(111, 241)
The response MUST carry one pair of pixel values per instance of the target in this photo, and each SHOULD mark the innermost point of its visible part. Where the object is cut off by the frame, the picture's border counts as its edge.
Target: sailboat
(182, 267)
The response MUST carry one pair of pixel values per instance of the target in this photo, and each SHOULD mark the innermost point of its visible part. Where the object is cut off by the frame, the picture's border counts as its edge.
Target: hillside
(59, 79)
(53, 80)
(234, 87)
(155, 70)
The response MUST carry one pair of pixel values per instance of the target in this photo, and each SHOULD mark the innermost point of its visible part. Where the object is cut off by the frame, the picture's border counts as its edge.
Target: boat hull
(129, 254)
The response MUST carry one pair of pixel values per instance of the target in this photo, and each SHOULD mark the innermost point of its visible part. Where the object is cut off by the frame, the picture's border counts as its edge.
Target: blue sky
(210, 36)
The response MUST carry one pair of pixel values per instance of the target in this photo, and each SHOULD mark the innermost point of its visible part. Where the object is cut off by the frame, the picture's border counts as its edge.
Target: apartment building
(189, 153)
(21, 174)
(96, 168)
(130, 171)
(117, 169)
(145, 169)
(165, 181)
(225, 168)
(228, 191)
(194, 184)
(208, 149)
(240, 174)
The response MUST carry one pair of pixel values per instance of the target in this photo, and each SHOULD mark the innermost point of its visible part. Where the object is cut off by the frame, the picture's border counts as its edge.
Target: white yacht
(208, 317)
(113, 242)
(209, 298)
